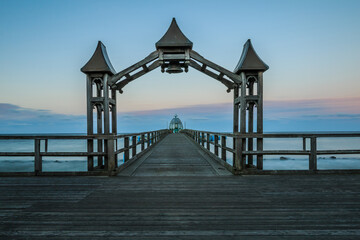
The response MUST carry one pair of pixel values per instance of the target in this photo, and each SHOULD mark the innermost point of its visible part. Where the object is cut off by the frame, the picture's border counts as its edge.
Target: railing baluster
(142, 142)
(202, 139)
(133, 146)
(216, 147)
(223, 150)
(208, 141)
(126, 151)
(38, 159)
(313, 154)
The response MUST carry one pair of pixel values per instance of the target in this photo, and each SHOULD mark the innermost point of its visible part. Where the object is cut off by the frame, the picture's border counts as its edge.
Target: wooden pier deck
(158, 197)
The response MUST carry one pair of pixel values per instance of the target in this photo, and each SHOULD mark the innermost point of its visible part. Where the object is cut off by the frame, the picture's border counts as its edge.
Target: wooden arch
(174, 54)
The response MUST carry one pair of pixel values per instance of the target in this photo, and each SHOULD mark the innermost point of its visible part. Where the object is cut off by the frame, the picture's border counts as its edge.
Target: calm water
(270, 162)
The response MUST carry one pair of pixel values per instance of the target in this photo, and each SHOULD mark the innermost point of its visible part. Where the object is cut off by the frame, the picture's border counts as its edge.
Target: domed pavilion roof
(175, 123)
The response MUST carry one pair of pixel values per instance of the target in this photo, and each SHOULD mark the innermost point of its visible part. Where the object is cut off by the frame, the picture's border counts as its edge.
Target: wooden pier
(177, 191)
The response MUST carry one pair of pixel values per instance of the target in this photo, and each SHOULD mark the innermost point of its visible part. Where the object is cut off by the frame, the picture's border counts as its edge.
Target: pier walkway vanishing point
(175, 191)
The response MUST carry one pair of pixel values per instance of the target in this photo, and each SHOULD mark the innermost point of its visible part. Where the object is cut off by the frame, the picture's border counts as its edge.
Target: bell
(174, 67)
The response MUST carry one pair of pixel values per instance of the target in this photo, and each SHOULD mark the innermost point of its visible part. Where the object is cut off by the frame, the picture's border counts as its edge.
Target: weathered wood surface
(219, 207)
(175, 155)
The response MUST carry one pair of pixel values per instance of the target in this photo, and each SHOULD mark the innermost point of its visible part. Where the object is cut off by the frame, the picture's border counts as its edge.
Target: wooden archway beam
(206, 63)
(146, 69)
(152, 56)
(220, 77)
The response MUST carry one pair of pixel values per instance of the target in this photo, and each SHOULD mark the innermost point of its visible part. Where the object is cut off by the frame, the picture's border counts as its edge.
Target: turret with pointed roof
(249, 60)
(174, 38)
(99, 62)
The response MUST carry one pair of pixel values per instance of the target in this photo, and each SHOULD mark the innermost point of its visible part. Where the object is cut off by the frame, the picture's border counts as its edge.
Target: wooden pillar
(208, 141)
(251, 123)
(313, 154)
(223, 150)
(142, 142)
(259, 128)
(38, 158)
(202, 139)
(148, 139)
(110, 156)
(235, 116)
(99, 131)
(243, 104)
(113, 112)
(133, 146)
(90, 122)
(126, 149)
(216, 147)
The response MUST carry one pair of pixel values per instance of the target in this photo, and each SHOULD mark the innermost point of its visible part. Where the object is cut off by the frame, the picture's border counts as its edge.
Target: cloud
(301, 115)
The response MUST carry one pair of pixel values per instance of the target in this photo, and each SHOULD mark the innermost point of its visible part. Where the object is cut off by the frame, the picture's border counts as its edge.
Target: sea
(271, 162)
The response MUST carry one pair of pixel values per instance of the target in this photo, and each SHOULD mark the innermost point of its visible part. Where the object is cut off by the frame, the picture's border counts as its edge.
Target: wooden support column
(208, 141)
(250, 130)
(223, 150)
(110, 156)
(38, 158)
(216, 147)
(148, 139)
(239, 163)
(113, 112)
(243, 113)
(126, 147)
(142, 142)
(90, 122)
(313, 154)
(259, 129)
(133, 146)
(235, 116)
(202, 139)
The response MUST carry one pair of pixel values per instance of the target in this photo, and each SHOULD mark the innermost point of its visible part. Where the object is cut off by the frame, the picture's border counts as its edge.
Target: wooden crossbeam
(227, 83)
(236, 78)
(123, 83)
(152, 56)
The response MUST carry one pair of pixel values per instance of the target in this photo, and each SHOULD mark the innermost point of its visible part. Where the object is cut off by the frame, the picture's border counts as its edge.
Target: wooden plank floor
(181, 207)
(175, 155)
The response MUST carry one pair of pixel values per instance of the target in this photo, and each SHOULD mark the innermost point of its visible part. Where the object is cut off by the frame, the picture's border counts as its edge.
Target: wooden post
(133, 146)
(106, 104)
(202, 139)
(110, 156)
(223, 150)
(235, 115)
(208, 141)
(198, 136)
(243, 104)
(313, 154)
(113, 112)
(38, 158)
(90, 128)
(142, 142)
(148, 139)
(259, 128)
(251, 123)
(126, 151)
(216, 147)
(90, 159)
(304, 144)
(239, 163)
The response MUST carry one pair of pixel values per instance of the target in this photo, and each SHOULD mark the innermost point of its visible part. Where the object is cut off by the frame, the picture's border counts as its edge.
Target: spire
(174, 38)
(249, 60)
(99, 62)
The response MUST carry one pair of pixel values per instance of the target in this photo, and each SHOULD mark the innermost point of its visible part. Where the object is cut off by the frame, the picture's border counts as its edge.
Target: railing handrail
(241, 149)
(64, 136)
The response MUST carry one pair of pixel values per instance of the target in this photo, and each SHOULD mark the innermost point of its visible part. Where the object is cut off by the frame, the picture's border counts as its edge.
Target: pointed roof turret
(99, 62)
(249, 60)
(174, 38)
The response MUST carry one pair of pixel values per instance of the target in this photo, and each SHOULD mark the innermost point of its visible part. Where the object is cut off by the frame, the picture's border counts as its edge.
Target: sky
(311, 47)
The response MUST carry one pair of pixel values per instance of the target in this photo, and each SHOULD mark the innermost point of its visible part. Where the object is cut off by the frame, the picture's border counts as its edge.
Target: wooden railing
(242, 153)
(107, 157)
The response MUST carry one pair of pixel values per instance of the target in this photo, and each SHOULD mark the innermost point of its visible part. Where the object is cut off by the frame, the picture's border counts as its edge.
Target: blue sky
(312, 48)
